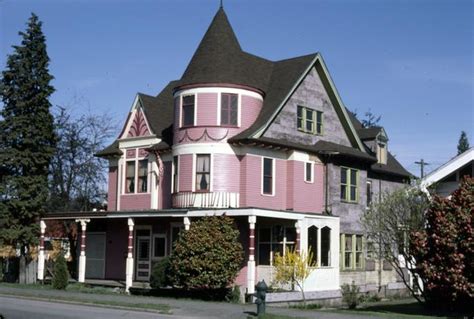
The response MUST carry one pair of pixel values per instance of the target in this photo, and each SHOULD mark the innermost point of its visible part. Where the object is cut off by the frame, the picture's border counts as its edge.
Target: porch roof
(196, 212)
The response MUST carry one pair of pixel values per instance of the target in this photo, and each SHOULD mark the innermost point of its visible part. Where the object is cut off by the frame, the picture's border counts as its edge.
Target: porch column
(251, 261)
(41, 252)
(129, 265)
(187, 223)
(298, 237)
(82, 257)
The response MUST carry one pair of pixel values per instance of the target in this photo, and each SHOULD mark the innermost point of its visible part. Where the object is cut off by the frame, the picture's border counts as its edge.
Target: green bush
(234, 295)
(159, 274)
(351, 295)
(60, 273)
(208, 255)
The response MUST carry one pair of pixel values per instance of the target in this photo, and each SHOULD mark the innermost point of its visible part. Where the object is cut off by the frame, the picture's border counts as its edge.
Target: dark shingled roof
(111, 150)
(220, 59)
(369, 133)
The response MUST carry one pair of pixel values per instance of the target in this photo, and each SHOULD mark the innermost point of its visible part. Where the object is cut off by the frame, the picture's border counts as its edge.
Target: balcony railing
(206, 200)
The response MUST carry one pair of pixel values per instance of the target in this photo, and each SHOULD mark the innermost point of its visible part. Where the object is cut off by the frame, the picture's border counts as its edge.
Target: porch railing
(206, 200)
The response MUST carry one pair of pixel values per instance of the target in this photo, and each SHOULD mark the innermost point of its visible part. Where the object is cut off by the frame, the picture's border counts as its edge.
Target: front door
(143, 260)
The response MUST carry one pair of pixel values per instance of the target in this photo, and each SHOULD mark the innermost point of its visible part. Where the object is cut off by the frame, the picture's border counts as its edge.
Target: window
(381, 153)
(203, 172)
(352, 251)
(313, 242)
(369, 193)
(325, 246)
(274, 239)
(130, 181)
(349, 191)
(267, 176)
(175, 231)
(142, 176)
(188, 110)
(229, 109)
(175, 174)
(159, 246)
(309, 120)
(308, 172)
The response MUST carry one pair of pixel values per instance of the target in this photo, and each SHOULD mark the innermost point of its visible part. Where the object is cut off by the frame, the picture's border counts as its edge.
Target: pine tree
(27, 139)
(463, 144)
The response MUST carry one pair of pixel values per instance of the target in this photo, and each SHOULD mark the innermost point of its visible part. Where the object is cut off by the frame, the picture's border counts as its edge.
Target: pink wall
(250, 109)
(135, 201)
(251, 189)
(164, 191)
(206, 109)
(226, 173)
(305, 197)
(116, 249)
(185, 172)
(112, 190)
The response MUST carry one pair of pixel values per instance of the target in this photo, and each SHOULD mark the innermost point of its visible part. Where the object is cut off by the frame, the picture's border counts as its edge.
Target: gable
(137, 124)
(311, 93)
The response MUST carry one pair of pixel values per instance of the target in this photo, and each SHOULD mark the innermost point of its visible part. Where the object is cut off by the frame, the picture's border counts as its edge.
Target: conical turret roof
(220, 59)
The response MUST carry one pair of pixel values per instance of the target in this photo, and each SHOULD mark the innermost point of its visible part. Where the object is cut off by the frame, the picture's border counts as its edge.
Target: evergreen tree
(463, 144)
(27, 139)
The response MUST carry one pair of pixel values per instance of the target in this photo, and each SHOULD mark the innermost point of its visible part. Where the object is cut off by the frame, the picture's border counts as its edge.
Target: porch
(121, 247)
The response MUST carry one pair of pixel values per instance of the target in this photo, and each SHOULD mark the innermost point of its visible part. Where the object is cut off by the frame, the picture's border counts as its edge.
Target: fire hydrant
(261, 293)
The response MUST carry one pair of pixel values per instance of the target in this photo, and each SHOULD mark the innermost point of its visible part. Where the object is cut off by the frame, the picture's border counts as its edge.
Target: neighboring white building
(445, 179)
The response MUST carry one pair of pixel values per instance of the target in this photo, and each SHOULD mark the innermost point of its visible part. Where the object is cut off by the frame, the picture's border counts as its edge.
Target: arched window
(313, 242)
(325, 246)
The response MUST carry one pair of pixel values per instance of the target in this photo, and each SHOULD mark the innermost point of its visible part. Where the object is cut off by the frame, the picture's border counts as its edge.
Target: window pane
(309, 115)
(267, 166)
(353, 193)
(299, 123)
(359, 243)
(264, 235)
(319, 128)
(277, 233)
(300, 111)
(309, 172)
(188, 99)
(202, 163)
(175, 174)
(325, 246)
(348, 243)
(358, 260)
(348, 260)
(188, 115)
(131, 169)
(343, 192)
(202, 182)
(313, 242)
(159, 247)
(264, 254)
(369, 193)
(353, 177)
(343, 175)
(319, 117)
(290, 234)
(267, 185)
(309, 126)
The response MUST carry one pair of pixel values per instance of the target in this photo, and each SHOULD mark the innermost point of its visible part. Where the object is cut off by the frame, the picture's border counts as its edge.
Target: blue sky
(410, 61)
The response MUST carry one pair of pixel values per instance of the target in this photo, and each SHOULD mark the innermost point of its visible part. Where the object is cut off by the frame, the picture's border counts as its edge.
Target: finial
(221, 6)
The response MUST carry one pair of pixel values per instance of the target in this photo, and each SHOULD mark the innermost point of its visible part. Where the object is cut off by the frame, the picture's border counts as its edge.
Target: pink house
(268, 143)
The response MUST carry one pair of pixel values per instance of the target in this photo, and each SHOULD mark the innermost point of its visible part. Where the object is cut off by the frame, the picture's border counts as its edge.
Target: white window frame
(219, 107)
(136, 159)
(181, 109)
(211, 168)
(159, 235)
(173, 170)
(262, 176)
(311, 181)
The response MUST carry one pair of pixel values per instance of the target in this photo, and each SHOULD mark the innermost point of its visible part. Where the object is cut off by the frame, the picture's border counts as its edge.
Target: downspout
(380, 240)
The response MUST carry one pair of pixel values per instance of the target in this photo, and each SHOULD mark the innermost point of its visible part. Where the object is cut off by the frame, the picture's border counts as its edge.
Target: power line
(422, 164)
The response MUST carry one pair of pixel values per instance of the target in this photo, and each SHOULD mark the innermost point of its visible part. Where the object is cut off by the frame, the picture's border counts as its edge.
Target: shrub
(350, 295)
(159, 274)
(444, 250)
(1, 269)
(208, 255)
(234, 295)
(60, 274)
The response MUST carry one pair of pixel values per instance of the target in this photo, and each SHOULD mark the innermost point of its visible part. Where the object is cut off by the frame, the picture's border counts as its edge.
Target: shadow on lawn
(411, 308)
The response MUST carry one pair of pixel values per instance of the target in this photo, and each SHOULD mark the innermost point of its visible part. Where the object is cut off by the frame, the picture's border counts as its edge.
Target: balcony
(206, 200)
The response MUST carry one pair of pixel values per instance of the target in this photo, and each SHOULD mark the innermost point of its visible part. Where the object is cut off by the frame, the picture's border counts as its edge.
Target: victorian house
(269, 143)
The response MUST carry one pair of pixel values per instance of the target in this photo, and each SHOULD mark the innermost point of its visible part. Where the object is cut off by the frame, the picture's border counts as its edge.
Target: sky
(410, 61)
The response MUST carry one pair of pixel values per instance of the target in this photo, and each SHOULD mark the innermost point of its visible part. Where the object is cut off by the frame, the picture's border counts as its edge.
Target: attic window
(188, 110)
(381, 153)
(309, 120)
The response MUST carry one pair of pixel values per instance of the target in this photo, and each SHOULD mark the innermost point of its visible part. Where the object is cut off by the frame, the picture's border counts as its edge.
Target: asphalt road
(16, 308)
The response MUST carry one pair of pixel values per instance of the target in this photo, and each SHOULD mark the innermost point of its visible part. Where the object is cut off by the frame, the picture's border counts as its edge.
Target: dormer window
(381, 153)
(188, 111)
(229, 109)
(309, 120)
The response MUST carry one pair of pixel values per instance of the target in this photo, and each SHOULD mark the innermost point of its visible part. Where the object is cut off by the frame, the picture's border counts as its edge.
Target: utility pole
(422, 164)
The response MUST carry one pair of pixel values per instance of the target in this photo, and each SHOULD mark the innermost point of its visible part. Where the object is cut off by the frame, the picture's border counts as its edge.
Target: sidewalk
(177, 307)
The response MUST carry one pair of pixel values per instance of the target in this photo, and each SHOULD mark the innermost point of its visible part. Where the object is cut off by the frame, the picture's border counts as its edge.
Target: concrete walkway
(179, 307)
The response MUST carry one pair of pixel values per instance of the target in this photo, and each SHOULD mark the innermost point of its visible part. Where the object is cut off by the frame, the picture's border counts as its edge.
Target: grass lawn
(402, 308)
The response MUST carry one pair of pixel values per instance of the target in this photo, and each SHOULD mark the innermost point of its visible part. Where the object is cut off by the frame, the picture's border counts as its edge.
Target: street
(16, 308)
